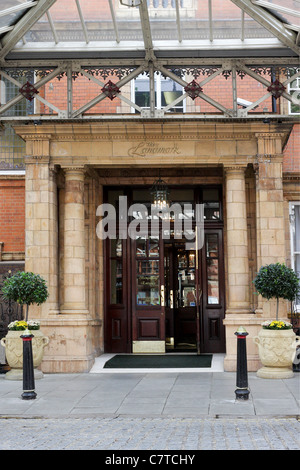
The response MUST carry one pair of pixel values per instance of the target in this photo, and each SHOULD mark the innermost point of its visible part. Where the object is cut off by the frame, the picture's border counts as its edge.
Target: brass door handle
(162, 295)
(171, 299)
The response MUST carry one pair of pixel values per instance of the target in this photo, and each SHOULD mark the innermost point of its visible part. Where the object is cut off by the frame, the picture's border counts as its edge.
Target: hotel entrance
(163, 295)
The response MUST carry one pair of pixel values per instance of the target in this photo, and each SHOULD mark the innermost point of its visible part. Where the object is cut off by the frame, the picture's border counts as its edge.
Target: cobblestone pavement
(147, 433)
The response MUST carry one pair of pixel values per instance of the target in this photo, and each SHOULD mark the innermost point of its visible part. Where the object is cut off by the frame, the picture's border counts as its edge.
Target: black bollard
(28, 371)
(242, 392)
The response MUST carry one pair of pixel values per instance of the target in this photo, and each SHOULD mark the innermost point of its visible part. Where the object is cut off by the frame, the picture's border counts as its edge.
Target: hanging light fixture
(160, 194)
(131, 3)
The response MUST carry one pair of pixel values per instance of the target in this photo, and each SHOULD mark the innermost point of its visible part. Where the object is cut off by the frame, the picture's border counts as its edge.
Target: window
(166, 91)
(12, 147)
(295, 240)
(294, 90)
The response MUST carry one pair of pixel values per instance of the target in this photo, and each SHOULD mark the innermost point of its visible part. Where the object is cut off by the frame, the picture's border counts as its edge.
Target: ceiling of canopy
(85, 29)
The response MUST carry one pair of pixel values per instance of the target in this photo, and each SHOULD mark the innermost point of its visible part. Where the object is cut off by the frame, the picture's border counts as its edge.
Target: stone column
(269, 209)
(41, 235)
(238, 300)
(74, 243)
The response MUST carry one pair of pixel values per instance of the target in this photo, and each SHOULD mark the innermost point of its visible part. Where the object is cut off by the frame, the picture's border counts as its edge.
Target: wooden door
(117, 321)
(148, 289)
(185, 299)
(213, 298)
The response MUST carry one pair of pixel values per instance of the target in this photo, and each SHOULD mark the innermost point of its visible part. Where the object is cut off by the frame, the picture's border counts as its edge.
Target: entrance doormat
(158, 361)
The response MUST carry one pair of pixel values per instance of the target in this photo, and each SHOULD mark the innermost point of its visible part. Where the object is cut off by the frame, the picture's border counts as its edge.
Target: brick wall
(291, 161)
(84, 90)
(12, 215)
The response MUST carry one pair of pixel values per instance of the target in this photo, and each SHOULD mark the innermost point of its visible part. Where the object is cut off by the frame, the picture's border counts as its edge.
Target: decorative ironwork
(28, 91)
(276, 88)
(9, 312)
(226, 73)
(105, 72)
(196, 72)
(193, 89)
(111, 90)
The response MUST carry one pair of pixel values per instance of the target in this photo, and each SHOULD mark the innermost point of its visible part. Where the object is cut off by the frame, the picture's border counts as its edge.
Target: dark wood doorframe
(119, 318)
(202, 324)
(213, 303)
(181, 281)
(148, 313)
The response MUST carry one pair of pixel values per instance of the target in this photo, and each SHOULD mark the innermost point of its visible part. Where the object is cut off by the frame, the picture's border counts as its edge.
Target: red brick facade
(12, 215)
(291, 161)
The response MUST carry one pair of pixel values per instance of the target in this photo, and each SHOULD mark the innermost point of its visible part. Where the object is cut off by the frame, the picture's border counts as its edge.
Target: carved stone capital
(237, 170)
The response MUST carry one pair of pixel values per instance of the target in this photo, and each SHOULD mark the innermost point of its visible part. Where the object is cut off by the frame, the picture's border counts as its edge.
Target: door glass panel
(147, 267)
(141, 248)
(113, 199)
(153, 247)
(212, 246)
(148, 290)
(147, 247)
(147, 271)
(116, 272)
(211, 200)
(116, 248)
(186, 279)
(213, 281)
(212, 269)
(116, 281)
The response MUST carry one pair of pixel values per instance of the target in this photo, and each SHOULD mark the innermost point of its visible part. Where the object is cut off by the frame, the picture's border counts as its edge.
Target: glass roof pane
(12, 17)
(227, 22)
(98, 21)
(108, 24)
(290, 4)
(67, 27)
(197, 21)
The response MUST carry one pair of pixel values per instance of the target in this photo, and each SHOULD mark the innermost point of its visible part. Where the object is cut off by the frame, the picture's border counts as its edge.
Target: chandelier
(160, 194)
(131, 3)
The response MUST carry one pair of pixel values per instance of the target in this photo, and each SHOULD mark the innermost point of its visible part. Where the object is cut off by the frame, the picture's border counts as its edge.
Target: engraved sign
(148, 148)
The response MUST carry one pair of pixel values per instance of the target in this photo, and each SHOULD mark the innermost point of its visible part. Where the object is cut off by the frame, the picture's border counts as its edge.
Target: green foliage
(25, 288)
(277, 281)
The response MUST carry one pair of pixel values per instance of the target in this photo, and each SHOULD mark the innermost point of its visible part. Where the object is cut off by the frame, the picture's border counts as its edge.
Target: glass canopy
(175, 28)
(11, 11)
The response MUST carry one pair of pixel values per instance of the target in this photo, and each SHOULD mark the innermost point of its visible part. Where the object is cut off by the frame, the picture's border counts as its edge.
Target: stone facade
(66, 167)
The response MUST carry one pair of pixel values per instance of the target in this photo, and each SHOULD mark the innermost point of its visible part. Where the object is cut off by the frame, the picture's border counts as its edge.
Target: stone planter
(13, 345)
(277, 350)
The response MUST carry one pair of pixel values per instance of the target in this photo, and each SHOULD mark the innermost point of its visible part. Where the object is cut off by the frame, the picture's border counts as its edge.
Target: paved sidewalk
(169, 411)
(164, 394)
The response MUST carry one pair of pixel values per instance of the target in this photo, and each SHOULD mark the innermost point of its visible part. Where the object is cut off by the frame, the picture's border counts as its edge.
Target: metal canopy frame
(285, 35)
(171, 58)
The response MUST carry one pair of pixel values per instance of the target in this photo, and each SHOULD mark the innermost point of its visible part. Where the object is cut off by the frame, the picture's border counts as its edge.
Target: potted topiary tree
(25, 288)
(276, 340)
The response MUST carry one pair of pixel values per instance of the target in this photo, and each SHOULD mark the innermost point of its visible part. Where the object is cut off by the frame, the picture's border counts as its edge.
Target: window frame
(292, 246)
(291, 90)
(158, 77)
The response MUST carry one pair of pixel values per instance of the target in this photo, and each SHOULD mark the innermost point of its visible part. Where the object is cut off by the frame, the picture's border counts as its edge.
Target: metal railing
(9, 311)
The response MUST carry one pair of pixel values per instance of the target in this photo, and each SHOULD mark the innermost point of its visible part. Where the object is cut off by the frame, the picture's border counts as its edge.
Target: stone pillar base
(74, 342)
(252, 324)
(68, 365)
(73, 311)
(253, 362)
